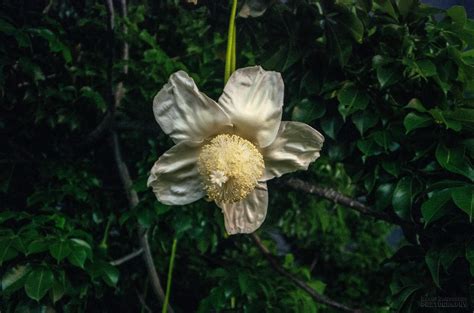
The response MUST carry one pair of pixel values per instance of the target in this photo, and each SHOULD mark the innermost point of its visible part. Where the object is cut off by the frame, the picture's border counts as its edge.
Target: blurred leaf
(416, 120)
(463, 197)
(39, 281)
(458, 14)
(60, 249)
(306, 111)
(432, 259)
(14, 278)
(7, 252)
(364, 120)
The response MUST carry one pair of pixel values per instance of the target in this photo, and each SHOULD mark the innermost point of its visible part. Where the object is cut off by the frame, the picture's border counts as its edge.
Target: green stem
(103, 243)
(234, 48)
(230, 43)
(170, 276)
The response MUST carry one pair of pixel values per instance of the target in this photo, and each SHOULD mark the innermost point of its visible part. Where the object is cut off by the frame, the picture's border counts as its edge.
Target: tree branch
(127, 257)
(122, 168)
(339, 198)
(301, 284)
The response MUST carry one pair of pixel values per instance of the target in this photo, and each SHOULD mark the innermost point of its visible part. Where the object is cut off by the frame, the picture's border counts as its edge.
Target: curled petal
(253, 100)
(295, 147)
(248, 214)
(184, 113)
(175, 178)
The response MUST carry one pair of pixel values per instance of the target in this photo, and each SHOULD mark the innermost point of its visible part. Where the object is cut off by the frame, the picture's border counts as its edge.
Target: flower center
(230, 167)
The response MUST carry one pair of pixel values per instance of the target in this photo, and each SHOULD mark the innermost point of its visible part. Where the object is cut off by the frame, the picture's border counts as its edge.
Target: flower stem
(170, 276)
(230, 53)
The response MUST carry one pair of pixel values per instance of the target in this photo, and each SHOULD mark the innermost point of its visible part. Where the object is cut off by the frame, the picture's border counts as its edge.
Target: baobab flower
(226, 150)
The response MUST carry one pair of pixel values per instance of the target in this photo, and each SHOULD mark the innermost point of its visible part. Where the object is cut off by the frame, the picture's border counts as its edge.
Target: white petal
(295, 147)
(248, 214)
(175, 178)
(253, 99)
(184, 113)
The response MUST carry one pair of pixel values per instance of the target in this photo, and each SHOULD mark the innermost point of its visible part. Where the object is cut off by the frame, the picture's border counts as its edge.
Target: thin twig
(127, 257)
(339, 198)
(142, 302)
(301, 284)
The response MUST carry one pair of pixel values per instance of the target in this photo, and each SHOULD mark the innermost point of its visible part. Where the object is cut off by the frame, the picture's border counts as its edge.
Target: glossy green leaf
(388, 75)
(7, 252)
(416, 120)
(454, 161)
(331, 126)
(436, 207)
(463, 197)
(60, 249)
(351, 99)
(77, 257)
(403, 195)
(39, 281)
(364, 120)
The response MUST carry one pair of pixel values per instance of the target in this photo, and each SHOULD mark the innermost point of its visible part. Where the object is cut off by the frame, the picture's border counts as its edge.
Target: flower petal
(253, 99)
(184, 113)
(248, 214)
(295, 147)
(175, 178)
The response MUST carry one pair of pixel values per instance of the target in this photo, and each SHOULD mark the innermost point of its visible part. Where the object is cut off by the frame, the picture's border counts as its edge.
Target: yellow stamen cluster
(230, 167)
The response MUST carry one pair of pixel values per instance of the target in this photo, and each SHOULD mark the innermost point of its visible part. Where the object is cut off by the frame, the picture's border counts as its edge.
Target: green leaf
(435, 207)
(364, 120)
(383, 196)
(6, 27)
(36, 246)
(426, 67)
(60, 249)
(77, 257)
(7, 252)
(388, 75)
(470, 256)
(110, 274)
(463, 197)
(416, 104)
(81, 244)
(392, 167)
(416, 120)
(14, 278)
(352, 24)
(351, 99)
(405, 6)
(403, 195)
(454, 161)
(450, 253)
(39, 281)
(385, 6)
(59, 287)
(439, 117)
(369, 147)
(307, 111)
(458, 14)
(331, 126)
(432, 259)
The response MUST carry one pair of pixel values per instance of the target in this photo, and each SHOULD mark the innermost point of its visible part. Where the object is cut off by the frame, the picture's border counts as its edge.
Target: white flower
(227, 150)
